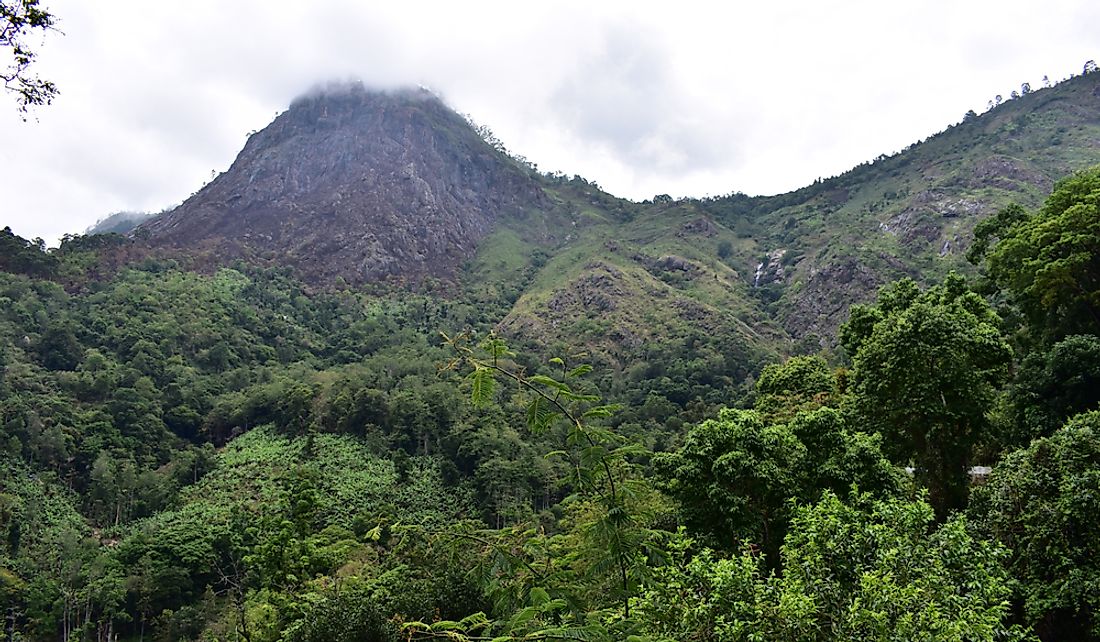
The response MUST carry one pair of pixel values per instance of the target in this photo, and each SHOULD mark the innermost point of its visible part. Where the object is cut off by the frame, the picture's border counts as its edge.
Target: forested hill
(381, 381)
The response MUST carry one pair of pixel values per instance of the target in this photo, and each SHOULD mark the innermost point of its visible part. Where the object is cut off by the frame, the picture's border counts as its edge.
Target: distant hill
(119, 223)
(831, 244)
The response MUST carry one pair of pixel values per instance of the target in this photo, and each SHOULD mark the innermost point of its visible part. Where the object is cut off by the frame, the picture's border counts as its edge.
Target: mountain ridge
(357, 186)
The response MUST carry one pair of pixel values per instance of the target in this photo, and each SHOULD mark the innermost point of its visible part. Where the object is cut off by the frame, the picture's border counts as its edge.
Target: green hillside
(913, 213)
(604, 420)
(777, 274)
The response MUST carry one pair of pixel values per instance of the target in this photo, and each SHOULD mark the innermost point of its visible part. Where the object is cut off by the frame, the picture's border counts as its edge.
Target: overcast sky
(685, 98)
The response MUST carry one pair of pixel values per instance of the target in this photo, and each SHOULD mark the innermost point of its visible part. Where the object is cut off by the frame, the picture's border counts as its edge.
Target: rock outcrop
(357, 184)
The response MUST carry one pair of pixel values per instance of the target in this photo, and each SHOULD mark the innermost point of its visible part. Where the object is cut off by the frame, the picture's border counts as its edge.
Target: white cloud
(689, 99)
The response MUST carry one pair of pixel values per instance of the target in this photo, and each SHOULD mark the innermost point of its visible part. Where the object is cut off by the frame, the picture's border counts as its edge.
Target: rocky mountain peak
(355, 183)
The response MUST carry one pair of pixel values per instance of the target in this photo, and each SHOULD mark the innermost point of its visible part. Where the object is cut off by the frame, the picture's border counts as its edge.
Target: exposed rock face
(357, 184)
(599, 289)
(771, 269)
(701, 226)
(923, 221)
(1007, 173)
(823, 305)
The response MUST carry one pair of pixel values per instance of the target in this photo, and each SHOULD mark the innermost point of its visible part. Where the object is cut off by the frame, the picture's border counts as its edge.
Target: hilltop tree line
(229, 457)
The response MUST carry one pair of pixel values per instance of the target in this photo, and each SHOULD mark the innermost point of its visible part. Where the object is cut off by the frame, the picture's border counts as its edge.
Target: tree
(1042, 503)
(19, 19)
(1048, 262)
(925, 369)
(614, 539)
(733, 477)
(800, 383)
(736, 475)
(1053, 385)
(349, 615)
(857, 570)
(59, 349)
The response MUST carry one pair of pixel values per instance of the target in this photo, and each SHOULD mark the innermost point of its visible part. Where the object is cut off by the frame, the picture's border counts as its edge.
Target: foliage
(736, 476)
(20, 256)
(868, 570)
(800, 383)
(1053, 385)
(1049, 261)
(19, 19)
(925, 367)
(344, 614)
(614, 539)
(1041, 503)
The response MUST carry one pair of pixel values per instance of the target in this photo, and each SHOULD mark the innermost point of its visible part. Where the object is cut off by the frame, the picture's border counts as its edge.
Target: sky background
(686, 99)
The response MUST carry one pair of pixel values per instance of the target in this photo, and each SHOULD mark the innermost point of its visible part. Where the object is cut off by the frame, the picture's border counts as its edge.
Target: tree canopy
(925, 370)
(1048, 261)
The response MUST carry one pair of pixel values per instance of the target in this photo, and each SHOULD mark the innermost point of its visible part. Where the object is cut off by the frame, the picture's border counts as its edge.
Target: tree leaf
(579, 371)
(482, 386)
(549, 382)
(602, 411)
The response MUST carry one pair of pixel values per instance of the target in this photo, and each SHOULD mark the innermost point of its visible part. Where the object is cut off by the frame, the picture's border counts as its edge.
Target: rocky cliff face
(357, 184)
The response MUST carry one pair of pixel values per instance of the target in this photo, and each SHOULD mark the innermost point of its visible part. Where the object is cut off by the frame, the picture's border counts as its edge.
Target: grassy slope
(613, 278)
(913, 213)
(605, 287)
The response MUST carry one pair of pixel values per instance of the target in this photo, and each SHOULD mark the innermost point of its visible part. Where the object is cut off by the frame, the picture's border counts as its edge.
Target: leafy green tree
(347, 615)
(1053, 385)
(799, 383)
(59, 349)
(1048, 262)
(859, 570)
(1041, 503)
(925, 371)
(736, 476)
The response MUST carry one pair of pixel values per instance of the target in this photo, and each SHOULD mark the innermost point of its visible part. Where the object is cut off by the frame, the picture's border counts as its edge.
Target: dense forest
(230, 455)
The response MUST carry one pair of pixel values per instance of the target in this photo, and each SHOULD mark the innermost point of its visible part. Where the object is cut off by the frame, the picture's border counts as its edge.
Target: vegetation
(19, 19)
(228, 455)
(925, 369)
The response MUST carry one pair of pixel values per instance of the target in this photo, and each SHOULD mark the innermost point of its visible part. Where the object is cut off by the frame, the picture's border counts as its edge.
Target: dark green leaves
(1049, 262)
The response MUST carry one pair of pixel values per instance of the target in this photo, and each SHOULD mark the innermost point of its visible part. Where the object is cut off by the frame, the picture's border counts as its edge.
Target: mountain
(267, 452)
(787, 267)
(354, 184)
(833, 243)
(366, 186)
